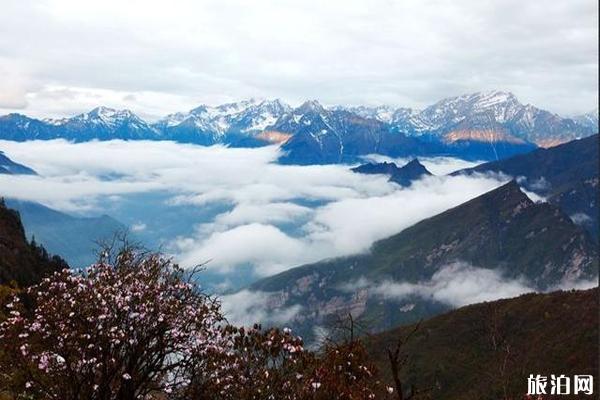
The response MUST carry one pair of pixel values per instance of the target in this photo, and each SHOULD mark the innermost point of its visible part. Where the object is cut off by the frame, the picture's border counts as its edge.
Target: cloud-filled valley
(255, 212)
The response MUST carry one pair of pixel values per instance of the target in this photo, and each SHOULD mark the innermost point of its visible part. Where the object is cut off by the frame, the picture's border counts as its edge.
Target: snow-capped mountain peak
(494, 98)
(311, 106)
(497, 106)
(106, 116)
(245, 116)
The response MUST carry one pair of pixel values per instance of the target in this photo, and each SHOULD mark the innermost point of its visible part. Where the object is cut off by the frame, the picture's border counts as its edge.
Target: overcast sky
(59, 57)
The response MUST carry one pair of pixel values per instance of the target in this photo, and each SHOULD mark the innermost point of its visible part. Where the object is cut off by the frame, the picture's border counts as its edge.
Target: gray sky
(60, 57)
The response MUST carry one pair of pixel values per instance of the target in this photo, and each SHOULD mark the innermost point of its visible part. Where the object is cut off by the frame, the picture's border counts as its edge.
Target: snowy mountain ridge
(482, 117)
(248, 116)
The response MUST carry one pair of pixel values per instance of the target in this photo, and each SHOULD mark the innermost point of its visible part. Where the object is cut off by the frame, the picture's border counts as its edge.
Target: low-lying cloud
(247, 308)
(456, 284)
(274, 217)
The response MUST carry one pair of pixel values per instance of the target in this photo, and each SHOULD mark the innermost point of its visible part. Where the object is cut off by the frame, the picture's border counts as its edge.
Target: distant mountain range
(589, 119)
(502, 230)
(491, 125)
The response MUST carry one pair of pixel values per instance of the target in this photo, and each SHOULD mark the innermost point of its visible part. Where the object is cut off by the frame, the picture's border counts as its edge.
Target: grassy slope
(569, 172)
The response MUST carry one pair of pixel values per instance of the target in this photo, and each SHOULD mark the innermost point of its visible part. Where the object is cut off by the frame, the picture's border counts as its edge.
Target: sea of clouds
(276, 216)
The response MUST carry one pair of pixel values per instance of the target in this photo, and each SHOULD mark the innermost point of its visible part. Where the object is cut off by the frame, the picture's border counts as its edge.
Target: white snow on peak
(55, 121)
(101, 116)
(252, 115)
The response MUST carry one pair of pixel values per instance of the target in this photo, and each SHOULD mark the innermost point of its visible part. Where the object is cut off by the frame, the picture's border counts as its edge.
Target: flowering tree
(121, 331)
(345, 372)
(138, 328)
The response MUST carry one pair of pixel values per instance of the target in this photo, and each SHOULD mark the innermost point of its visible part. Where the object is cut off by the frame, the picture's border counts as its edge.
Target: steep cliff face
(22, 262)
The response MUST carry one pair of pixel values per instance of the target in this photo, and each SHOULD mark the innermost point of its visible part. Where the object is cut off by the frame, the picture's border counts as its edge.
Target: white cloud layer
(58, 57)
(277, 217)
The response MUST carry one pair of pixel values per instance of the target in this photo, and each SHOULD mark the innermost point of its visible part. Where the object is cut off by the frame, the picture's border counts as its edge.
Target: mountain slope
(501, 231)
(74, 238)
(8, 166)
(566, 174)
(20, 261)
(403, 176)
(324, 136)
(461, 354)
(338, 135)
(580, 201)
(321, 136)
(20, 128)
